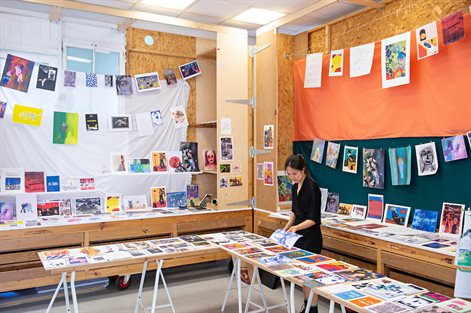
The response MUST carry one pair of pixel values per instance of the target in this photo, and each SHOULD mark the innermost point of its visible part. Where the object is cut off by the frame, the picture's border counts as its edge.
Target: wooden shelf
(210, 172)
(209, 124)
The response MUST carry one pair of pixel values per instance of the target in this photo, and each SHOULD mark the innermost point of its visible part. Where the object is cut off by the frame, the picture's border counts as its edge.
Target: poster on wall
(259, 171)
(395, 60)
(34, 182)
(113, 203)
(91, 122)
(333, 150)
(159, 161)
(210, 160)
(179, 118)
(226, 126)
(120, 123)
(375, 207)
(332, 203)
(451, 219)
(361, 59)
(147, 82)
(137, 165)
(313, 75)
(17, 73)
(26, 207)
(190, 69)
(268, 174)
(119, 163)
(65, 129)
(268, 134)
(425, 220)
(427, 160)
(373, 168)
(284, 188)
(108, 81)
(123, 85)
(7, 211)
(91, 80)
(396, 214)
(175, 162)
(189, 156)
(400, 164)
(156, 117)
(158, 197)
(27, 115)
(317, 150)
(170, 76)
(144, 124)
(452, 27)
(47, 76)
(12, 180)
(336, 63)
(350, 159)
(227, 149)
(3, 108)
(454, 148)
(427, 40)
(70, 78)
(135, 203)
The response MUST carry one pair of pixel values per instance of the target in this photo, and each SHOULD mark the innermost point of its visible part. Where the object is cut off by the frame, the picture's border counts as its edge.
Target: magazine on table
(285, 238)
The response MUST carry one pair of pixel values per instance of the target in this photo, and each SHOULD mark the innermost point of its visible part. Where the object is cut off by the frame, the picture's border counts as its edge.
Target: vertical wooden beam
(327, 38)
(129, 47)
(86, 239)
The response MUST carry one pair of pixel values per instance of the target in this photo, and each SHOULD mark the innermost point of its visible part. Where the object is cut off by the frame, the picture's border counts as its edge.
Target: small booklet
(285, 238)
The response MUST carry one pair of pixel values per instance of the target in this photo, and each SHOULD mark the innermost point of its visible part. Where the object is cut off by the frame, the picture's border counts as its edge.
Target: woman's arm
(290, 222)
(301, 226)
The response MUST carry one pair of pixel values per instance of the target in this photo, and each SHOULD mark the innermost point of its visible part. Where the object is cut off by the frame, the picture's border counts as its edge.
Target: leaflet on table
(285, 238)
(463, 253)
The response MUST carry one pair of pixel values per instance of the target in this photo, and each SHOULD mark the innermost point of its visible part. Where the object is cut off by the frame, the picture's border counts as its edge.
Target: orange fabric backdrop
(437, 102)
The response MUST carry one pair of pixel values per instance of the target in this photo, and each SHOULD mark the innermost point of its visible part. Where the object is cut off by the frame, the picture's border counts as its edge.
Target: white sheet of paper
(340, 55)
(144, 124)
(226, 126)
(313, 76)
(400, 63)
(285, 238)
(361, 59)
(324, 194)
(463, 284)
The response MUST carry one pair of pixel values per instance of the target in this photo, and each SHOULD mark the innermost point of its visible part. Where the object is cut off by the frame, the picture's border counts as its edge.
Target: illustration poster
(451, 219)
(333, 150)
(317, 150)
(268, 134)
(373, 168)
(7, 212)
(400, 164)
(345, 209)
(135, 203)
(87, 206)
(159, 161)
(175, 163)
(91, 80)
(192, 195)
(120, 123)
(259, 171)
(53, 183)
(176, 199)
(119, 163)
(113, 203)
(158, 197)
(210, 160)
(427, 160)
(189, 156)
(26, 207)
(147, 82)
(452, 27)
(139, 165)
(350, 159)
(268, 174)
(17, 73)
(70, 78)
(27, 115)
(454, 148)
(156, 117)
(65, 130)
(3, 108)
(227, 149)
(123, 85)
(333, 201)
(235, 181)
(396, 214)
(395, 60)
(34, 182)
(358, 211)
(427, 40)
(284, 188)
(91, 122)
(375, 207)
(170, 76)
(336, 63)
(47, 76)
(179, 118)
(425, 220)
(87, 183)
(361, 59)
(12, 180)
(313, 75)
(190, 69)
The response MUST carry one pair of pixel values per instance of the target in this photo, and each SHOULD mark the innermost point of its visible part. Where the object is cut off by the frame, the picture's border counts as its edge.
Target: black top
(307, 206)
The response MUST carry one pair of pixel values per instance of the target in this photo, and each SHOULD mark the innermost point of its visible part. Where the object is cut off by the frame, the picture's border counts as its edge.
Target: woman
(210, 163)
(305, 218)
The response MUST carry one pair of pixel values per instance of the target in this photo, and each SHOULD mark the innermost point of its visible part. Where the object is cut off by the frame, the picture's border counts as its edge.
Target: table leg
(262, 293)
(332, 306)
(56, 292)
(229, 286)
(284, 294)
(73, 292)
(160, 266)
(291, 296)
(156, 287)
(309, 300)
(239, 287)
(66, 295)
(141, 286)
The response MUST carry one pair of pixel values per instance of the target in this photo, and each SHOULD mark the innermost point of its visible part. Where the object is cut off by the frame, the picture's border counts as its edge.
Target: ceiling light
(169, 4)
(258, 16)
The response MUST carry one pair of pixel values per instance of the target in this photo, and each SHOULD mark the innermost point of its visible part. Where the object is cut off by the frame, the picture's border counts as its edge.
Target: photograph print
(87, 206)
(47, 76)
(227, 152)
(454, 148)
(427, 160)
(170, 76)
(120, 123)
(350, 159)
(190, 70)
(451, 219)
(373, 168)
(396, 214)
(17, 73)
(123, 85)
(147, 82)
(333, 201)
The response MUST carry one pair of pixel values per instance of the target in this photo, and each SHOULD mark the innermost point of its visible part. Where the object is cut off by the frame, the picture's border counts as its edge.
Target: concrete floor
(196, 288)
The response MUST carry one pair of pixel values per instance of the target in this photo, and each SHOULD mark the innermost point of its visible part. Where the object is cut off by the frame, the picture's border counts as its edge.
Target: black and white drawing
(427, 161)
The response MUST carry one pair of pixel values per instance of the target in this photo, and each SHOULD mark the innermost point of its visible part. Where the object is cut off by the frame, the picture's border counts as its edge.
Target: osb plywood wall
(396, 17)
(168, 51)
(285, 98)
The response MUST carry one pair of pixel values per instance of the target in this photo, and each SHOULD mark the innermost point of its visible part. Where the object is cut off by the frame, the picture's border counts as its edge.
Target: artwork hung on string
(27, 115)
(123, 85)
(259, 171)
(120, 123)
(135, 203)
(113, 203)
(400, 164)
(452, 27)
(268, 174)
(454, 148)
(396, 214)
(158, 197)
(143, 124)
(17, 73)
(425, 220)
(91, 80)
(189, 156)
(227, 149)
(156, 117)
(108, 81)
(336, 63)
(137, 165)
(147, 82)
(91, 122)
(87, 206)
(373, 168)
(375, 207)
(395, 60)
(87, 183)
(313, 75)
(26, 207)
(317, 150)
(427, 160)
(333, 150)
(47, 76)
(333, 201)
(427, 40)
(70, 78)
(118, 163)
(361, 59)
(179, 118)
(34, 182)
(350, 159)
(451, 218)
(170, 76)
(210, 160)
(268, 134)
(284, 188)
(358, 211)
(3, 108)
(65, 129)
(53, 183)
(190, 69)
(159, 161)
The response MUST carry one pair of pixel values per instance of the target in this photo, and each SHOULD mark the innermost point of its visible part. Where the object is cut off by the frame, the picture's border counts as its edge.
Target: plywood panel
(266, 85)
(206, 92)
(184, 46)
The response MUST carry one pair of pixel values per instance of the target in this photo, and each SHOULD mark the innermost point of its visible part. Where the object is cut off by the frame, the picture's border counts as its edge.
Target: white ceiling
(219, 12)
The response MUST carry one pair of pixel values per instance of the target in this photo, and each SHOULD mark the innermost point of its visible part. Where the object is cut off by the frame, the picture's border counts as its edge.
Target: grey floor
(194, 289)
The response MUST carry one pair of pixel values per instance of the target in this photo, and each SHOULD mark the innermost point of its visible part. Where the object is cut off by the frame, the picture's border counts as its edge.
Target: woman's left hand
(293, 229)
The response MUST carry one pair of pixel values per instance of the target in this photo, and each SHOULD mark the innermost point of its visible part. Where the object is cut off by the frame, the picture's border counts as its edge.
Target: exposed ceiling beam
(126, 24)
(137, 15)
(55, 14)
(367, 3)
(294, 16)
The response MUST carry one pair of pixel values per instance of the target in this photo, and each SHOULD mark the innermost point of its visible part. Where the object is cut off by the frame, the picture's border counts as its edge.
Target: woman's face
(211, 157)
(295, 175)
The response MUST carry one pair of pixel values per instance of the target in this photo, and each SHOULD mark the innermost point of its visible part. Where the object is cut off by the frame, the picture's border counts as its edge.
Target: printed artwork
(235, 181)
(135, 203)
(427, 40)
(144, 124)
(139, 165)
(65, 129)
(120, 123)
(400, 164)
(27, 115)
(3, 108)
(192, 195)
(190, 69)
(313, 75)
(6, 211)
(259, 171)
(47, 76)
(34, 182)
(108, 80)
(176, 199)
(452, 216)
(388, 307)
(427, 161)
(223, 182)
(147, 82)
(333, 201)
(375, 206)
(227, 149)
(317, 150)
(395, 60)
(87, 183)
(366, 301)
(286, 239)
(414, 302)
(179, 118)
(113, 203)
(118, 163)
(457, 305)
(236, 168)
(87, 206)
(336, 63)
(454, 148)
(26, 207)
(396, 214)
(345, 209)
(53, 183)
(123, 85)
(12, 180)
(361, 59)
(452, 27)
(210, 160)
(468, 134)
(333, 150)
(17, 73)
(268, 174)
(284, 188)
(350, 159)
(425, 220)
(189, 156)
(68, 184)
(373, 168)
(170, 76)
(70, 78)
(175, 162)
(91, 80)
(159, 161)
(268, 134)
(158, 197)
(358, 211)
(91, 122)
(156, 117)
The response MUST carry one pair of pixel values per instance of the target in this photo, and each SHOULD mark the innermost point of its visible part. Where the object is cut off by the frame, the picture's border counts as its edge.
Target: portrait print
(123, 85)
(427, 161)
(333, 201)
(170, 76)
(210, 160)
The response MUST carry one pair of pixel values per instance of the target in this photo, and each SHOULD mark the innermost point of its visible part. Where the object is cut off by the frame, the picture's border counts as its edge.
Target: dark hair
(296, 161)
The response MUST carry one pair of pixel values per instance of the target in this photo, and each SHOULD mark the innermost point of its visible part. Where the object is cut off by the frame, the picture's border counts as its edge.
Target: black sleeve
(293, 195)
(314, 207)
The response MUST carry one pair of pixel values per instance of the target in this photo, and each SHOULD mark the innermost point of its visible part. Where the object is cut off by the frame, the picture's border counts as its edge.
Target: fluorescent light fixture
(77, 59)
(169, 4)
(258, 16)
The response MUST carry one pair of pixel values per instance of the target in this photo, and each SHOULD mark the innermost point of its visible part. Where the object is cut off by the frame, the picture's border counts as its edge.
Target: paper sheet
(313, 76)
(144, 124)
(361, 59)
